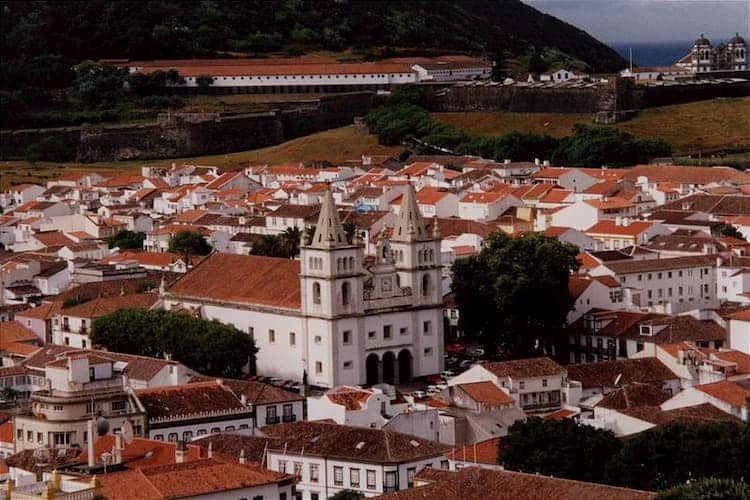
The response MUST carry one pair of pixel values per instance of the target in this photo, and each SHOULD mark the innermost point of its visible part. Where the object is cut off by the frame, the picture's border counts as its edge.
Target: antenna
(617, 379)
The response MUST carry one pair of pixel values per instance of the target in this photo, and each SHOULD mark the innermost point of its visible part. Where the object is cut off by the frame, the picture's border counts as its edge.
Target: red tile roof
(477, 483)
(483, 452)
(486, 393)
(351, 398)
(142, 452)
(727, 391)
(102, 306)
(524, 368)
(610, 227)
(266, 281)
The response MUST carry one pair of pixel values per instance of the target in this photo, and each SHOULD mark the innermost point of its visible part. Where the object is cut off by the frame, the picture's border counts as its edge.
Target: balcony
(288, 418)
(272, 420)
(541, 406)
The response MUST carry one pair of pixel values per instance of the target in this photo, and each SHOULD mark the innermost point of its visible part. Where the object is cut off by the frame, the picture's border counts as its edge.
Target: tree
(673, 454)
(514, 294)
(8, 394)
(350, 230)
(127, 239)
(209, 347)
(596, 146)
(347, 495)
(560, 448)
(204, 82)
(731, 231)
(189, 243)
(707, 489)
(289, 242)
(268, 245)
(99, 83)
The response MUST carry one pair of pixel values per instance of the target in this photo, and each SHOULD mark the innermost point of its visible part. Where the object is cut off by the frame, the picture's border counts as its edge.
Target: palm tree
(289, 241)
(269, 245)
(350, 230)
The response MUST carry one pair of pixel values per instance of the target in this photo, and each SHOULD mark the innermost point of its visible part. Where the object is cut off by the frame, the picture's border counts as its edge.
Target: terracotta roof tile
(486, 393)
(524, 368)
(727, 391)
(256, 280)
(474, 483)
(629, 371)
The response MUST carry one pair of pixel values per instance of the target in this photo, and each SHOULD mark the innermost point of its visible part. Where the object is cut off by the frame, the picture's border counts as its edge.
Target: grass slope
(335, 146)
(690, 128)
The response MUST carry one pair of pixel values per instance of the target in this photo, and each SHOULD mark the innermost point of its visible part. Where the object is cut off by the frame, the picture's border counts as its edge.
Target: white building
(328, 317)
(327, 458)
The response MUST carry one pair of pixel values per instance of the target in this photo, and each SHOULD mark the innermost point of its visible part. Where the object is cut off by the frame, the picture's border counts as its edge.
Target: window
(426, 285)
(298, 469)
(318, 339)
(410, 472)
(428, 351)
(522, 385)
(159, 437)
(391, 481)
(544, 381)
(370, 479)
(271, 416)
(403, 330)
(427, 327)
(348, 365)
(118, 405)
(338, 476)
(371, 335)
(387, 331)
(313, 473)
(354, 478)
(173, 437)
(282, 466)
(318, 367)
(345, 292)
(288, 412)
(215, 430)
(292, 338)
(444, 464)
(347, 336)
(271, 337)
(187, 435)
(316, 293)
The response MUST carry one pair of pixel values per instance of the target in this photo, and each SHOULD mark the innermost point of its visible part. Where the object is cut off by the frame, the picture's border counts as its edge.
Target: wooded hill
(41, 40)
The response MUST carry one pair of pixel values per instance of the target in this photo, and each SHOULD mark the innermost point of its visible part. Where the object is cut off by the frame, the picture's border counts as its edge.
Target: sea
(653, 53)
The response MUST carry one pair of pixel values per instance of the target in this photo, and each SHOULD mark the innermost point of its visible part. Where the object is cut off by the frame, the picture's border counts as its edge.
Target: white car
(446, 374)
(418, 394)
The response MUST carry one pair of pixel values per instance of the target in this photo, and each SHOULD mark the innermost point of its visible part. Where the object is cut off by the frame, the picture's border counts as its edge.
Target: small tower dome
(702, 41)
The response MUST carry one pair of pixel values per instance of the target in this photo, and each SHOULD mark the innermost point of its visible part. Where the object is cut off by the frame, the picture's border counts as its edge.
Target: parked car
(418, 394)
(476, 351)
(466, 363)
(446, 374)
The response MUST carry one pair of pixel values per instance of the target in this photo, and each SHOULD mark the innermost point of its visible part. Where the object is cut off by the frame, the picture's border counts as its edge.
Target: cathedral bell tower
(417, 252)
(331, 268)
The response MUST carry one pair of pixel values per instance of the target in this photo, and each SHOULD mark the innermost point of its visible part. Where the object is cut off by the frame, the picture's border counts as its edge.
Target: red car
(455, 348)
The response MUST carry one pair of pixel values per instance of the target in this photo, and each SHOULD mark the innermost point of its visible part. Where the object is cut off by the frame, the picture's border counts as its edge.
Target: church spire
(410, 225)
(329, 232)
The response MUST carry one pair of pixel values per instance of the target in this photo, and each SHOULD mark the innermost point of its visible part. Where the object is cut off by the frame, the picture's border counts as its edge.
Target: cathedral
(703, 57)
(335, 316)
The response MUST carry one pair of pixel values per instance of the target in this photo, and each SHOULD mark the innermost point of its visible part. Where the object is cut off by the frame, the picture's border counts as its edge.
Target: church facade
(704, 57)
(335, 316)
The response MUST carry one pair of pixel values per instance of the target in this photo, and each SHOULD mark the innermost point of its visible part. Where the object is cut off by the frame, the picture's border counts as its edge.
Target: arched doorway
(389, 365)
(404, 366)
(372, 363)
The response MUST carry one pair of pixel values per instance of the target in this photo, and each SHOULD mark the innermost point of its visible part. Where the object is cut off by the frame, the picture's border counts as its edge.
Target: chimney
(210, 451)
(626, 221)
(118, 448)
(618, 221)
(180, 451)
(537, 162)
(90, 444)
(545, 163)
(506, 162)
(243, 460)
(243, 399)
